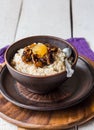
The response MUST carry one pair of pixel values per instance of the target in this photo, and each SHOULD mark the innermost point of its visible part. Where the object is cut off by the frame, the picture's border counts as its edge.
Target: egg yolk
(40, 49)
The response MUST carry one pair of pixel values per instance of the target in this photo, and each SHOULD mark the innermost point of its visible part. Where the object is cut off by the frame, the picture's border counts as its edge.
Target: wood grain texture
(44, 17)
(42, 129)
(83, 20)
(76, 115)
(9, 12)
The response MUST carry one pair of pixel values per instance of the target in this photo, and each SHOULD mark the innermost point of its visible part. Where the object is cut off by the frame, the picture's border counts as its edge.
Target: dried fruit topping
(39, 54)
(26, 57)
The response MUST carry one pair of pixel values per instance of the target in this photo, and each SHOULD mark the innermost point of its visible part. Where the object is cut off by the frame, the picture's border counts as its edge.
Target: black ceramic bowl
(38, 84)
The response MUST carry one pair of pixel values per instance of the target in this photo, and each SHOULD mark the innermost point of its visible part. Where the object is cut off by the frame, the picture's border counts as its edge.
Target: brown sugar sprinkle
(39, 54)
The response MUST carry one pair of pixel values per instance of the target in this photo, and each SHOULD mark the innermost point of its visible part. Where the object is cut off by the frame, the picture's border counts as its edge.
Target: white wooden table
(22, 18)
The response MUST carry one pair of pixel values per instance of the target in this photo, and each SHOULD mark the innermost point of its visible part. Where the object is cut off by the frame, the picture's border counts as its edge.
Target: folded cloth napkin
(2, 52)
(82, 47)
(79, 43)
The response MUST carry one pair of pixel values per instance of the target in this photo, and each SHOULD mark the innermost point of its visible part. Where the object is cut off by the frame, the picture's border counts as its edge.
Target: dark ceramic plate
(71, 92)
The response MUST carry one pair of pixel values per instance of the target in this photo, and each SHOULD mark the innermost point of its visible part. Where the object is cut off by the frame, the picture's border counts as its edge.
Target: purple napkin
(79, 43)
(2, 51)
(82, 47)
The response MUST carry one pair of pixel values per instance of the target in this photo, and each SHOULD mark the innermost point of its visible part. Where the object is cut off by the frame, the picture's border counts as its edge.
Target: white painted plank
(6, 126)
(9, 12)
(83, 23)
(87, 126)
(44, 17)
(83, 18)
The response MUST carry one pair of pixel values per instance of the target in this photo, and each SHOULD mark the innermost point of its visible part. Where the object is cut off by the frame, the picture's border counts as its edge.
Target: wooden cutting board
(60, 119)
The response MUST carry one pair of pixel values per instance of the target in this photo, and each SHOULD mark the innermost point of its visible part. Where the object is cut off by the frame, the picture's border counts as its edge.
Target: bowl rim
(40, 76)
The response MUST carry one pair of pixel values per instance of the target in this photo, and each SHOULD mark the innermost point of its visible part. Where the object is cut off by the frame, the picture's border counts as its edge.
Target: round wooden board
(60, 119)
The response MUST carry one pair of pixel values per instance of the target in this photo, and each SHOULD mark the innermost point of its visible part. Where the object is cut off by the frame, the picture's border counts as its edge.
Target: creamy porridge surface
(56, 67)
